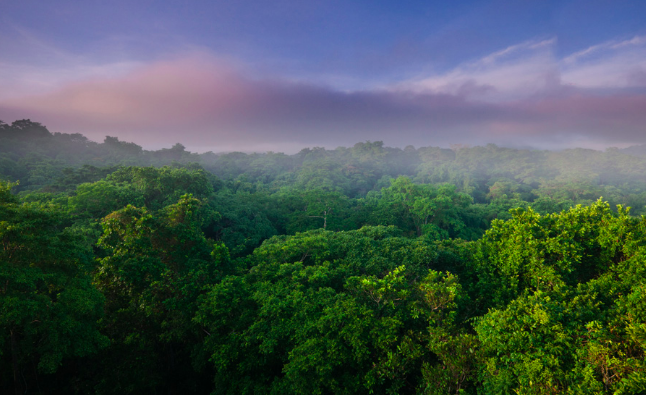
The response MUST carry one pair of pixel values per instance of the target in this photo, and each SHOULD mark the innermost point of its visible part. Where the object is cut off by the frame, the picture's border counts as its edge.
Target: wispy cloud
(532, 68)
(608, 45)
(611, 65)
(516, 71)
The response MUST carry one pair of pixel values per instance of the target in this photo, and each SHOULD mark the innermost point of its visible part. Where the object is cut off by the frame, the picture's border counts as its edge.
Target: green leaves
(564, 292)
(156, 267)
(434, 211)
(98, 199)
(160, 187)
(533, 252)
(5, 192)
(48, 307)
(292, 298)
(345, 312)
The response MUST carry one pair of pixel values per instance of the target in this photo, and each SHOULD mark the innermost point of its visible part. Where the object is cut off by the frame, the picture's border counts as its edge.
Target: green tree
(156, 267)
(48, 307)
(324, 312)
(98, 199)
(428, 209)
(161, 187)
(563, 295)
(315, 208)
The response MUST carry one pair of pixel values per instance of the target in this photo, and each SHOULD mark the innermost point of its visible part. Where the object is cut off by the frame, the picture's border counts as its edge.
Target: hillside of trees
(360, 270)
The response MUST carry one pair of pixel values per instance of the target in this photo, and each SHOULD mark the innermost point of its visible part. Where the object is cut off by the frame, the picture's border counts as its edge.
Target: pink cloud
(208, 104)
(169, 90)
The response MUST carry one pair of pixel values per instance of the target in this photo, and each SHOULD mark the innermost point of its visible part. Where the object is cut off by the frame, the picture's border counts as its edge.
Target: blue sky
(280, 75)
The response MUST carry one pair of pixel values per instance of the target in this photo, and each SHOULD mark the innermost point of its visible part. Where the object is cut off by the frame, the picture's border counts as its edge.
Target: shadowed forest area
(368, 269)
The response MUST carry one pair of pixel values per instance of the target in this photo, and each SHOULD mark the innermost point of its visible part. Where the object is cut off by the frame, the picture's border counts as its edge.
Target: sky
(243, 75)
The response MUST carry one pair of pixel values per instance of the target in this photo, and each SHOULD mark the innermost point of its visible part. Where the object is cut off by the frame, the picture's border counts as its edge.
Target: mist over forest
(362, 269)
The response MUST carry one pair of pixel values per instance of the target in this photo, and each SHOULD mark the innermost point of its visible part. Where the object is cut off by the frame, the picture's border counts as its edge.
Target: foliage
(367, 269)
(344, 312)
(156, 267)
(48, 306)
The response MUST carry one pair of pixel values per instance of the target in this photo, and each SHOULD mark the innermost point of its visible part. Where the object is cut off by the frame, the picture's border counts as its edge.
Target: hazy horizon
(298, 148)
(254, 77)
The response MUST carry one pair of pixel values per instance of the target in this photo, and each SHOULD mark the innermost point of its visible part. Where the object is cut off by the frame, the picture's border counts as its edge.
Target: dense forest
(369, 269)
